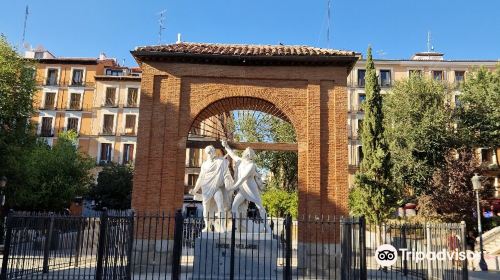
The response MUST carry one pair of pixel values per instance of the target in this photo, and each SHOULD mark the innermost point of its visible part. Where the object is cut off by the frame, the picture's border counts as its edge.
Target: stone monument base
(255, 256)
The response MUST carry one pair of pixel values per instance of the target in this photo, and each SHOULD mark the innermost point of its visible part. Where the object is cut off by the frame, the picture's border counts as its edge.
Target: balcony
(51, 83)
(355, 109)
(132, 105)
(107, 131)
(48, 107)
(110, 103)
(75, 105)
(130, 132)
(77, 84)
(46, 132)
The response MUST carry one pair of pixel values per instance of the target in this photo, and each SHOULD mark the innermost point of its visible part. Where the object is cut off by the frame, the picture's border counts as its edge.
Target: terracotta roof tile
(243, 50)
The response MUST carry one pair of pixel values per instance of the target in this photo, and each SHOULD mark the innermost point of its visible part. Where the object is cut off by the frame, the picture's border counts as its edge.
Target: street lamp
(3, 183)
(476, 185)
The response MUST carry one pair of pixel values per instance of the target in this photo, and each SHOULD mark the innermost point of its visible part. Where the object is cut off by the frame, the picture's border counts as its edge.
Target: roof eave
(305, 60)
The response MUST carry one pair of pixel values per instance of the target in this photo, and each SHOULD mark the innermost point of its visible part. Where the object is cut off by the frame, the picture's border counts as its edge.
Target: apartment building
(115, 115)
(431, 64)
(65, 94)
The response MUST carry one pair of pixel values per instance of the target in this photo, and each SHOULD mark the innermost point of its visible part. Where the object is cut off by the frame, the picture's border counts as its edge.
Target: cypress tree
(376, 157)
(373, 195)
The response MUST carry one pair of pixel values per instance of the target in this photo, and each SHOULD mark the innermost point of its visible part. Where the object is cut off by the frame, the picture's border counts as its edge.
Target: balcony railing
(75, 105)
(51, 83)
(109, 103)
(48, 107)
(77, 84)
(130, 132)
(132, 104)
(107, 131)
(46, 132)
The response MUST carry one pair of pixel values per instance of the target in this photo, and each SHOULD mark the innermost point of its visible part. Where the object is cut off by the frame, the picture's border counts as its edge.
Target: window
(110, 96)
(459, 76)
(105, 156)
(385, 78)
(132, 97)
(415, 73)
(437, 75)
(46, 129)
(74, 101)
(194, 158)
(50, 100)
(192, 180)
(51, 77)
(72, 124)
(38, 55)
(361, 77)
(361, 100)
(360, 154)
(112, 72)
(486, 155)
(108, 124)
(77, 77)
(128, 153)
(130, 124)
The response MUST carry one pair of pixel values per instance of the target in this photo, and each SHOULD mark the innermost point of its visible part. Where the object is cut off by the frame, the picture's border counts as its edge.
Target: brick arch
(173, 96)
(288, 103)
(229, 104)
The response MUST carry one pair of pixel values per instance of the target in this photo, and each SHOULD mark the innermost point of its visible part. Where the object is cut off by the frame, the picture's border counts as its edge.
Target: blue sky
(395, 28)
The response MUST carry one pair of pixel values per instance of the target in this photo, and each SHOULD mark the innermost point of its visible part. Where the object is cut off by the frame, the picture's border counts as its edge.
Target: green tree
(478, 115)
(373, 195)
(419, 131)
(17, 88)
(282, 165)
(114, 187)
(452, 198)
(279, 202)
(51, 177)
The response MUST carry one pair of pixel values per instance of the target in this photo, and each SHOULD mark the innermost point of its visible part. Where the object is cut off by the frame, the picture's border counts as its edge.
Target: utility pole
(161, 22)
(26, 13)
(328, 26)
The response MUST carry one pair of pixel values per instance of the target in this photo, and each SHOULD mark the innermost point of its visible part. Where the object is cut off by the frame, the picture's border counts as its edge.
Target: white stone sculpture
(214, 181)
(248, 183)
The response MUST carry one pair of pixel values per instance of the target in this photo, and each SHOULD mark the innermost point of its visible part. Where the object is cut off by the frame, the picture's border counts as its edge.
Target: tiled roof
(243, 50)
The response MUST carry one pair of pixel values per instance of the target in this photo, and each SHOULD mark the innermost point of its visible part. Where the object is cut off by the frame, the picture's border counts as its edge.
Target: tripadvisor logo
(386, 255)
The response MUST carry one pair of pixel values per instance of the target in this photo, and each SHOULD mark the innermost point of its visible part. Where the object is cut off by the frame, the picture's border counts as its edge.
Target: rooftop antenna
(26, 13)
(429, 41)
(161, 23)
(328, 27)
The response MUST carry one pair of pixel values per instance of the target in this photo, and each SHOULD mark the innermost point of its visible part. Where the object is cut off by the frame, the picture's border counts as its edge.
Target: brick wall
(314, 99)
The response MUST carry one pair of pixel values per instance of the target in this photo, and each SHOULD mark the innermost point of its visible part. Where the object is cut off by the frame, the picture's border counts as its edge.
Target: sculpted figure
(214, 181)
(248, 182)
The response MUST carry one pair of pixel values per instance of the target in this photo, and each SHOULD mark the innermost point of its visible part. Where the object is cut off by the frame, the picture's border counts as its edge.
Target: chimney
(178, 38)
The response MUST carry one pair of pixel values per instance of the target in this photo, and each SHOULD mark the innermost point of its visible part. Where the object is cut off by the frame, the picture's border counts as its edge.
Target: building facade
(115, 115)
(429, 64)
(65, 95)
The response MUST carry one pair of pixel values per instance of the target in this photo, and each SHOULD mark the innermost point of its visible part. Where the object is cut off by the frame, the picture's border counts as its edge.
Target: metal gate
(50, 246)
(127, 245)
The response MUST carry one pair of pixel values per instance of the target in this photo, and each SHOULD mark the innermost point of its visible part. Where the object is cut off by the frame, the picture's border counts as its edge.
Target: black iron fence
(127, 245)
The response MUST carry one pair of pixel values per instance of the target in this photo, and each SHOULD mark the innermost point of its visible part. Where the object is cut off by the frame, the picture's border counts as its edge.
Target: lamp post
(3, 184)
(476, 185)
